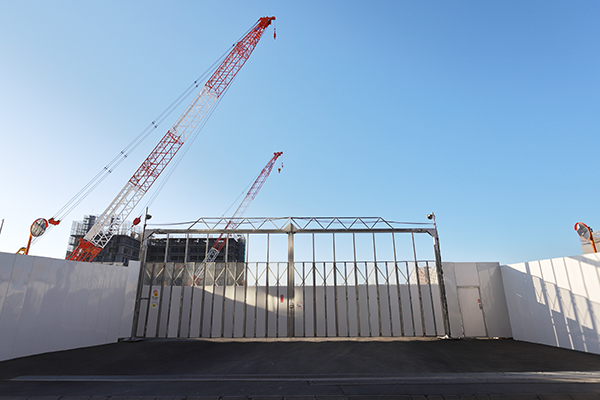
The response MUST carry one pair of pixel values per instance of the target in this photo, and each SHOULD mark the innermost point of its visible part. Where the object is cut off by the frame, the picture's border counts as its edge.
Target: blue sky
(486, 113)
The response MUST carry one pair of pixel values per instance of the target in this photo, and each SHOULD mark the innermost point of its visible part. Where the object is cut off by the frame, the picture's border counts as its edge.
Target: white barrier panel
(476, 301)
(51, 304)
(555, 302)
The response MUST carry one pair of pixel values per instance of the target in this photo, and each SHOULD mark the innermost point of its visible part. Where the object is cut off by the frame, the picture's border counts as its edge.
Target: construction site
(310, 307)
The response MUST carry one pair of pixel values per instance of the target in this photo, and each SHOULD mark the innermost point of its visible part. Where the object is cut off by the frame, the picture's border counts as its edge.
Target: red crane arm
(241, 210)
(115, 215)
(235, 60)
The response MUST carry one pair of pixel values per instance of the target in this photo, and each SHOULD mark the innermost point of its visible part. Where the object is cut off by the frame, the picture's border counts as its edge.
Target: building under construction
(122, 247)
(193, 250)
(125, 246)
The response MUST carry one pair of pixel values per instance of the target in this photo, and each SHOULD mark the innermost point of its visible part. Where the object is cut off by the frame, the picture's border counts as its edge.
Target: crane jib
(117, 212)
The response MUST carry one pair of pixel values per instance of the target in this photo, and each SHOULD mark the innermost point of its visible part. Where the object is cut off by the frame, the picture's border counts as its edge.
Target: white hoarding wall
(51, 304)
(555, 302)
(476, 302)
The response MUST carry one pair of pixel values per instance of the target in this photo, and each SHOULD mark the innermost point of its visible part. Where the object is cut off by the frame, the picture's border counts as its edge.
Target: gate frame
(290, 227)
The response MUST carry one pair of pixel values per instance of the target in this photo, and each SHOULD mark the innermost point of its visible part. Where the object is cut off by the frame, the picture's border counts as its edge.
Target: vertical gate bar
(418, 284)
(202, 273)
(140, 284)
(225, 279)
(356, 285)
(335, 291)
(267, 292)
(368, 300)
(325, 297)
(347, 299)
(387, 282)
(377, 285)
(278, 286)
(183, 272)
(314, 270)
(238, 280)
(256, 300)
(410, 302)
(170, 299)
(192, 297)
(441, 283)
(398, 284)
(162, 286)
(303, 299)
(149, 299)
(291, 286)
(212, 303)
(431, 298)
(204, 266)
(246, 266)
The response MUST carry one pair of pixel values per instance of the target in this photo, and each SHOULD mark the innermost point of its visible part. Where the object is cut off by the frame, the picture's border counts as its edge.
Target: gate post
(440, 274)
(140, 285)
(291, 311)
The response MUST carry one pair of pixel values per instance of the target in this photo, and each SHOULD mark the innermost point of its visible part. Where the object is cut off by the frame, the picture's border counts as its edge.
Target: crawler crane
(235, 221)
(108, 223)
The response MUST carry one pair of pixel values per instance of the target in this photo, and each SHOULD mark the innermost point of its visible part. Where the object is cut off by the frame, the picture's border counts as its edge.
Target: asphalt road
(284, 369)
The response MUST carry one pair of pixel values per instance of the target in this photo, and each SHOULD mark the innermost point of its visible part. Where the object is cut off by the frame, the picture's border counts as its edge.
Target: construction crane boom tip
(141, 181)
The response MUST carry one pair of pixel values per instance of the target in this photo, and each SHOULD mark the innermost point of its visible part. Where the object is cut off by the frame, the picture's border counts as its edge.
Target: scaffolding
(80, 228)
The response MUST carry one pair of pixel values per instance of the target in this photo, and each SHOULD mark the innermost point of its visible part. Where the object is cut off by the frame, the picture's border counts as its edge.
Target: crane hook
(274, 33)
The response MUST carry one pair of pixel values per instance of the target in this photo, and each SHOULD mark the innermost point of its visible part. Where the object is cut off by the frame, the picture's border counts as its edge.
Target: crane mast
(242, 208)
(108, 223)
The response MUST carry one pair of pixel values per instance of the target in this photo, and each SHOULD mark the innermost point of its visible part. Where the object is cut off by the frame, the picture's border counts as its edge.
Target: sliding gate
(293, 277)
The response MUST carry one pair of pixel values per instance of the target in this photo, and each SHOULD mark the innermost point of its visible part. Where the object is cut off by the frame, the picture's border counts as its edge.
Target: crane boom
(242, 208)
(107, 224)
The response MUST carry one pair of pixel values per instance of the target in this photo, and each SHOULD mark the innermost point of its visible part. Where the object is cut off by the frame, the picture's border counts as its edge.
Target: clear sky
(485, 112)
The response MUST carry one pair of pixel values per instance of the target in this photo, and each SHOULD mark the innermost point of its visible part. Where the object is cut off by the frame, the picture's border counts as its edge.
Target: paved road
(314, 370)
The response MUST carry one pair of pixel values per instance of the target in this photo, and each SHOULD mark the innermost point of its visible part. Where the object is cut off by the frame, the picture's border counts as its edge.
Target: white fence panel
(49, 304)
(555, 302)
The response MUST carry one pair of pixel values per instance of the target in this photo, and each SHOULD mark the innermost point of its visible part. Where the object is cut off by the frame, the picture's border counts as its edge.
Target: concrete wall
(555, 302)
(51, 304)
(476, 303)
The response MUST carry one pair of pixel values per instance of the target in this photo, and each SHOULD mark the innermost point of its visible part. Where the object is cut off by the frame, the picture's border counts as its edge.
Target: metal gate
(293, 277)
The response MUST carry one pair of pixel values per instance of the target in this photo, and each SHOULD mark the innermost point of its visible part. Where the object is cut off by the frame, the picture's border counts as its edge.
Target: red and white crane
(108, 223)
(235, 221)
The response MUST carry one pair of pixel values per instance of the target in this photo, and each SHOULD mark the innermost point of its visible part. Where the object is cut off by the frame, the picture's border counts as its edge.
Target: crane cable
(120, 157)
(78, 198)
(186, 146)
(123, 154)
(179, 156)
(242, 193)
(88, 188)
